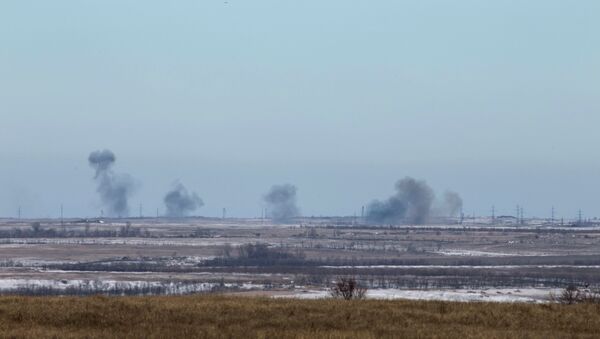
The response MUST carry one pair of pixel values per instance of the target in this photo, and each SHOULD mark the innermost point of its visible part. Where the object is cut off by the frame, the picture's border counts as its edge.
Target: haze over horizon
(496, 100)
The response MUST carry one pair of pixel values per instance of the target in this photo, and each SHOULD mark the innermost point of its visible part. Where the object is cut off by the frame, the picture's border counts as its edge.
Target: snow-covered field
(198, 242)
(471, 253)
(168, 260)
(32, 262)
(483, 224)
(466, 266)
(530, 295)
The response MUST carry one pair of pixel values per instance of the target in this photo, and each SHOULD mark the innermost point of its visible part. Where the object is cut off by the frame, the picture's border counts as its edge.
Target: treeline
(296, 257)
(259, 255)
(36, 290)
(469, 228)
(451, 277)
(262, 258)
(456, 282)
(37, 230)
(371, 282)
(123, 289)
(388, 277)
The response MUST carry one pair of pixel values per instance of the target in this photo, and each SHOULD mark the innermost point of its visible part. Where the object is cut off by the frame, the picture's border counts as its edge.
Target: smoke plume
(281, 202)
(114, 189)
(180, 202)
(452, 204)
(411, 203)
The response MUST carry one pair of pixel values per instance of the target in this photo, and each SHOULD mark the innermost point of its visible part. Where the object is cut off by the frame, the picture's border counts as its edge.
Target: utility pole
(141, 211)
(493, 214)
(579, 218)
(224, 212)
(19, 213)
(362, 213)
(62, 220)
(552, 218)
(518, 213)
(522, 219)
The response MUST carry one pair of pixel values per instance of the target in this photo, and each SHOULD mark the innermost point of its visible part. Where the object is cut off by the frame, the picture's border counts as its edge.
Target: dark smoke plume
(452, 204)
(101, 161)
(411, 204)
(114, 189)
(180, 202)
(281, 202)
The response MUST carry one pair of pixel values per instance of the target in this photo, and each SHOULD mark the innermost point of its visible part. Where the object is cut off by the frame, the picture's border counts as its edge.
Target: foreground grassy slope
(220, 316)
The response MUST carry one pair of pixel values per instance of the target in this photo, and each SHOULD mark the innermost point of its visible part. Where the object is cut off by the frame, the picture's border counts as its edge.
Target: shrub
(347, 289)
(573, 295)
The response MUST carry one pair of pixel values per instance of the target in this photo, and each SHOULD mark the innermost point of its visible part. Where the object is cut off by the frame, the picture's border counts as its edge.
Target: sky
(497, 100)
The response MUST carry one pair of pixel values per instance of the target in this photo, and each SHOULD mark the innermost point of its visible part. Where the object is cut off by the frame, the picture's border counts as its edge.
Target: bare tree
(574, 295)
(570, 295)
(347, 289)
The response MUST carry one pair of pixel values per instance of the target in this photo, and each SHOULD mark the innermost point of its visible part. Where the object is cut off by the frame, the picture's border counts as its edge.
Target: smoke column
(411, 203)
(180, 202)
(114, 189)
(452, 204)
(281, 202)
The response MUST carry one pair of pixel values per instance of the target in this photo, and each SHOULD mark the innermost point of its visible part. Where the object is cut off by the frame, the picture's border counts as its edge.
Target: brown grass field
(253, 317)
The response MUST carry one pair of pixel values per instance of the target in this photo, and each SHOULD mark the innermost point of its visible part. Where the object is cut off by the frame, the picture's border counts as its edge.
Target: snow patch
(530, 295)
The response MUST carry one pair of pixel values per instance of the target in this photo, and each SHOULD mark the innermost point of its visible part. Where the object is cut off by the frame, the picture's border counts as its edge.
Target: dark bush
(347, 289)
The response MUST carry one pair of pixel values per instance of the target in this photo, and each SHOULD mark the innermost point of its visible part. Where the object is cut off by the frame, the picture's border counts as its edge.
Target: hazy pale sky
(497, 100)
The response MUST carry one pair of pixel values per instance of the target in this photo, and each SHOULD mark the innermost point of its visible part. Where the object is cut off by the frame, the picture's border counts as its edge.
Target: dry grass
(241, 317)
